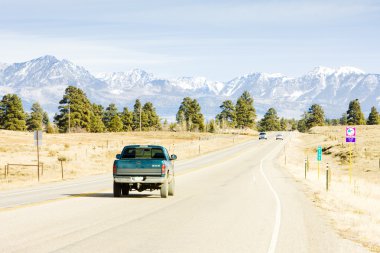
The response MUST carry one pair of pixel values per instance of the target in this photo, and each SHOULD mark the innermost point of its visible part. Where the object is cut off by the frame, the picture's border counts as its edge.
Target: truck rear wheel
(125, 189)
(164, 189)
(116, 189)
(172, 187)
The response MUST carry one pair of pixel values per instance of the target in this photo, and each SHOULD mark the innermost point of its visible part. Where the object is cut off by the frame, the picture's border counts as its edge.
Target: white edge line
(276, 229)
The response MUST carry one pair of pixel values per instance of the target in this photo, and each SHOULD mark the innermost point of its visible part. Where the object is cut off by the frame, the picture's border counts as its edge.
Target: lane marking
(276, 228)
(44, 188)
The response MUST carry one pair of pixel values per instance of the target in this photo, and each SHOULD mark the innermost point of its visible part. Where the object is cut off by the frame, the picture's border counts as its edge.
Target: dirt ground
(353, 208)
(88, 153)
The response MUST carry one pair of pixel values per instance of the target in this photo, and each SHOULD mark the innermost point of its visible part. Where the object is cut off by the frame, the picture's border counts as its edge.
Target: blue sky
(216, 39)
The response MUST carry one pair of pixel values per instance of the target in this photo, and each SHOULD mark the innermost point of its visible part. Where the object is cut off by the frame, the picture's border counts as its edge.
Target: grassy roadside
(352, 208)
(88, 153)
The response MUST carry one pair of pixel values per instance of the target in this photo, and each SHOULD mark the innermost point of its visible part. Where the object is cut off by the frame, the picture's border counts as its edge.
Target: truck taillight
(163, 167)
(114, 168)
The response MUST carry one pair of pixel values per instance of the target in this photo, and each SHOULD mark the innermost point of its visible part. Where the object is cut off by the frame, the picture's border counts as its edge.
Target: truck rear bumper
(141, 180)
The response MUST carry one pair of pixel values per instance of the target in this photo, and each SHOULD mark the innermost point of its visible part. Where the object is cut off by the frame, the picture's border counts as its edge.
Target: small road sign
(350, 134)
(38, 137)
(319, 153)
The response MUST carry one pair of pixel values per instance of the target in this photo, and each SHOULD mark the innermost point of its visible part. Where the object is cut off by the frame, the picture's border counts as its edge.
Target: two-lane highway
(236, 200)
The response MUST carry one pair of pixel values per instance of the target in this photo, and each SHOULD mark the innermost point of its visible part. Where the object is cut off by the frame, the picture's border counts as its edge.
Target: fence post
(305, 168)
(42, 169)
(327, 177)
(5, 171)
(62, 168)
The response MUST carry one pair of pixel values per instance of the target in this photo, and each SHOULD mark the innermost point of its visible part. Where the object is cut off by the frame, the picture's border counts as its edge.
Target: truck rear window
(143, 153)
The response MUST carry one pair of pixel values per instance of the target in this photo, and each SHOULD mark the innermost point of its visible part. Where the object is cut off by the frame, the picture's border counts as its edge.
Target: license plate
(137, 179)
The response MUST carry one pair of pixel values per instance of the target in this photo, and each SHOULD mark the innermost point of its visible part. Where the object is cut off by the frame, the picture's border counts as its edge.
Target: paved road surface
(237, 200)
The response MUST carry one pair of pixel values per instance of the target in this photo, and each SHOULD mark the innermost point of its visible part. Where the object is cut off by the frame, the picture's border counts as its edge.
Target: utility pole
(140, 118)
(69, 114)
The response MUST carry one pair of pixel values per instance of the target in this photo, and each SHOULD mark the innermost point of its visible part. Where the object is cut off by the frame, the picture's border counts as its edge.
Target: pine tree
(137, 114)
(245, 112)
(211, 126)
(115, 125)
(270, 122)
(190, 112)
(301, 125)
(373, 117)
(316, 116)
(80, 112)
(151, 119)
(12, 115)
(127, 119)
(45, 119)
(228, 115)
(355, 115)
(110, 112)
(36, 118)
(283, 124)
(343, 119)
(97, 124)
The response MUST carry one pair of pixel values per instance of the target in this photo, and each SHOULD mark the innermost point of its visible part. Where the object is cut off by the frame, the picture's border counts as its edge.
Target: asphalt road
(236, 200)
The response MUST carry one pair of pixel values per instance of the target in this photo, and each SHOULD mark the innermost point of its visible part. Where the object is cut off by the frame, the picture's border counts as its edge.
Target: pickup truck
(143, 167)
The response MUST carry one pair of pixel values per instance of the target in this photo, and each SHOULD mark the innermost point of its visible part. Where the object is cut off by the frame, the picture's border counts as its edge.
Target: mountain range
(44, 80)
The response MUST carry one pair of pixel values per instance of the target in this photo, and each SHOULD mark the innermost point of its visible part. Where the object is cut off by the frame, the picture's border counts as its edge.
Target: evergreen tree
(211, 126)
(283, 124)
(373, 117)
(190, 112)
(45, 119)
(115, 125)
(301, 125)
(316, 116)
(151, 119)
(228, 115)
(80, 108)
(127, 119)
(97, 124)
(245, 112)
(12, 115)
(137, 113)
(110, 112)
(35, 118)
(355, 115)
(270, 122)
(343, 119)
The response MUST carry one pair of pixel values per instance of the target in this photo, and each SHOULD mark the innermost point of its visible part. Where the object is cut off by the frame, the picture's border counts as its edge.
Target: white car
(262, 136)
(279, 137)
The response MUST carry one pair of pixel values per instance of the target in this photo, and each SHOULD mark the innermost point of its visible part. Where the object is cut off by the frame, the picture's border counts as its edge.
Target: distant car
(262, 136)
(279, 137)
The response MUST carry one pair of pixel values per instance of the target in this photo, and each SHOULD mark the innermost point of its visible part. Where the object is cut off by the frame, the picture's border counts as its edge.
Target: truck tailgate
(139, 167)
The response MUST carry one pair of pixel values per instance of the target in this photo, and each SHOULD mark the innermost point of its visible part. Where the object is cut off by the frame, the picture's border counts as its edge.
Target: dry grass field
(89, 153)
(353, 208)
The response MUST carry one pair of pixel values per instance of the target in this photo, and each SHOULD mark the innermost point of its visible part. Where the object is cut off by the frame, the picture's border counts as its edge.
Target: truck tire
(172, 187)
(164, 189)
(125, 189)
(116, 189)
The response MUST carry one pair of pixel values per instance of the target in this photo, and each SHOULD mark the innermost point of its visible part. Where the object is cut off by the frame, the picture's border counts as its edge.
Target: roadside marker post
(319, 158)
(350, 138)
(38, 143)
(328, 176)
(305, 168)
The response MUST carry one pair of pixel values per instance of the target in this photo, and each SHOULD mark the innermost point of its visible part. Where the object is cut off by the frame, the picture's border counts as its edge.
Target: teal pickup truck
(143, 167)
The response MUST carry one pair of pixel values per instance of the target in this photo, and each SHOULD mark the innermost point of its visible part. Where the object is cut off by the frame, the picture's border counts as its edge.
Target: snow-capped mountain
(44, 80)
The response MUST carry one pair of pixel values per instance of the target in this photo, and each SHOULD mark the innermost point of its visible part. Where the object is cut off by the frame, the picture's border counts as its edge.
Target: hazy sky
(216, 39)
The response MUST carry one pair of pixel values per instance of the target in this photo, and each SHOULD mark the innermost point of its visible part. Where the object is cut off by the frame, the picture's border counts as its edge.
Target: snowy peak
(198, 83)
(47, 70)
(3, 66)
(126, 80)
(325, 71)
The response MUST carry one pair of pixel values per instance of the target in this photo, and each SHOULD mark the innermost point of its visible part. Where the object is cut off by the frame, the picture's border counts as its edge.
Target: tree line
(78, 114)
